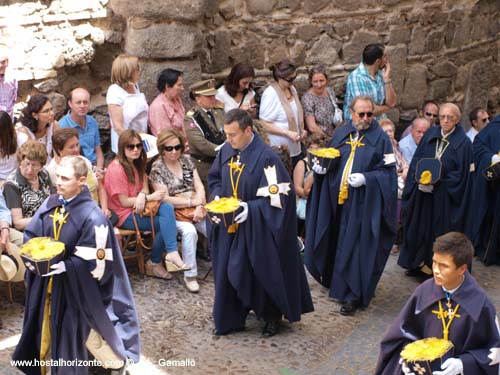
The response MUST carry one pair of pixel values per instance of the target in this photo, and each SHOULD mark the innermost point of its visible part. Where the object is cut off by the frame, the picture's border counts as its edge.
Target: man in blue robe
(486, 209)
(468, 314)
(256, 262)
(87, 290)
(351, 212)
(430, 210)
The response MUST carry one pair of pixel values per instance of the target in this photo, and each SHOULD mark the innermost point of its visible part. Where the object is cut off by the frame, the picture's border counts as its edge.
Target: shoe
(174, 262)
(191, 284)
(349, 308)
(157, 270)
(271, 328)
(234, 330)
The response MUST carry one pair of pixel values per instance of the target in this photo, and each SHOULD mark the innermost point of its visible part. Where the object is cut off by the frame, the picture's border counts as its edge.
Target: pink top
(116, 183)
(166, 114)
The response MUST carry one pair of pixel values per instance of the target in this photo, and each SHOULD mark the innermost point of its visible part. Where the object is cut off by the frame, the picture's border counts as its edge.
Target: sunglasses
(289, 80)
(133, 147)
(485, 119)
(428, 114)
(363, 114)
(177, 147)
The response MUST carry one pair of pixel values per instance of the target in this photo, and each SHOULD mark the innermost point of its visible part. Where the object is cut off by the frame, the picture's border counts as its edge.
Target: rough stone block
(219, 54)
(435, 41)
(324, 51)
(307, 32)
(353, 50)
(165, 9)
(163, 41)
(104, 56)
(417, 43)
(415, 88)
(251, 51)
(462, 33)
(444, 69)
(290, 4)
(439, 89)
(313, 6)
(151, 69)
(227, 9)
(400, 34)
(344, 28)
(397, 59)
(58, 104)
(46, 86)
(256, 7)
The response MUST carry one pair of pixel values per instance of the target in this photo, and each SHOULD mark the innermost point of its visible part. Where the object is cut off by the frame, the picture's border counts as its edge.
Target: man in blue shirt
(373, 78)
(77, 118)
(408, 145)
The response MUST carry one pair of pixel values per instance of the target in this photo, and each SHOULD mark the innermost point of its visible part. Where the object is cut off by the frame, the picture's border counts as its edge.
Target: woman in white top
(38, 122)
(127, 106)
(237, 90)
(10, 141)
(281, 112)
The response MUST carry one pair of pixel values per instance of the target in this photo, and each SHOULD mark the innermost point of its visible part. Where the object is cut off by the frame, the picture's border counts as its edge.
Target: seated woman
(65, 142)
(29, 185)
(128, 190)
(10, 140)
(237, 90)
(175, 174)
(321, 111)
(37, 121)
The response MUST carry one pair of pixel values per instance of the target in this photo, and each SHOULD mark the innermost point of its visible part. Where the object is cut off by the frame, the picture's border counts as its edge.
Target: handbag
(186, 213)
(337, 116)
(150, 209)
(101, 351)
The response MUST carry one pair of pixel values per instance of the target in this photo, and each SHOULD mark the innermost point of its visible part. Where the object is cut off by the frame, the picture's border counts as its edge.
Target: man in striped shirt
(373, 78)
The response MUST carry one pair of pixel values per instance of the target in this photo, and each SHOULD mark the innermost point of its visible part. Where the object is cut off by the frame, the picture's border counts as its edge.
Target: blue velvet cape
(485, 227)
(429, 215)
(260, 263)
(473, 334)
(79, 301)
(347, 245)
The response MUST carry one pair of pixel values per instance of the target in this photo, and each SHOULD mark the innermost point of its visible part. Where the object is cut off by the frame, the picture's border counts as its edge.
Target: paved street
(177, 325)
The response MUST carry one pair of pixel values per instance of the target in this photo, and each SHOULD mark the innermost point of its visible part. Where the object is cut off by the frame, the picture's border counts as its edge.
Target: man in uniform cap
(204, 127)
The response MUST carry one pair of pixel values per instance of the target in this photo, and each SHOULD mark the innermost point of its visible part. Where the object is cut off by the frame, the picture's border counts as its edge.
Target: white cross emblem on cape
(273, 189)
(100, 253)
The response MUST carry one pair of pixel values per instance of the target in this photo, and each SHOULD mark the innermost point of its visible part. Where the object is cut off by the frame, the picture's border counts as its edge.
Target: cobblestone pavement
(177, 325)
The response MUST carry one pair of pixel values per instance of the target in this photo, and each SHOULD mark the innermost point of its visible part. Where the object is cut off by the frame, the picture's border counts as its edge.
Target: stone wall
(443, 50)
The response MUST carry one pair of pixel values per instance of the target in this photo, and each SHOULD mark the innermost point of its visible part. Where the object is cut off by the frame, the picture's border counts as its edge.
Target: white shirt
(271, 110)
(10, 163)
(228, 100)
(471, 133)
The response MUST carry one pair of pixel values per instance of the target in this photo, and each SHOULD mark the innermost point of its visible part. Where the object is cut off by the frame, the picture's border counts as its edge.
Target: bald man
(88, 130)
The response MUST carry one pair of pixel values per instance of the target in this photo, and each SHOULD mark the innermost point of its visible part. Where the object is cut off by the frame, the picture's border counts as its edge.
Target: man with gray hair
(408, 145)
(87, 294)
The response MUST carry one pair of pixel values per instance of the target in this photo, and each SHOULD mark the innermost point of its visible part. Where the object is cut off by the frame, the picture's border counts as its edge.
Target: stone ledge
(166, 9)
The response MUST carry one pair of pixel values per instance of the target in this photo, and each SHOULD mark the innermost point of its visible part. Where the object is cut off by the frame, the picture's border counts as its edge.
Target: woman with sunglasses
(175, 175)
(38, 122)
(128, 191)
(29, 185)
(281, 111)
(237, 90)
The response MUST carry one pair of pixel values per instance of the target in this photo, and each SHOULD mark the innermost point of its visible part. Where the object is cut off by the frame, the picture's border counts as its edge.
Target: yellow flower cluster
(223, 205)
(329, 152)
(426, 178)
(41, 248)
(426, 350)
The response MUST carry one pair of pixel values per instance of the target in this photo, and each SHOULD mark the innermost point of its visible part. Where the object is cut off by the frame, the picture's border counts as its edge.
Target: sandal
(157, 270)
(174, 262)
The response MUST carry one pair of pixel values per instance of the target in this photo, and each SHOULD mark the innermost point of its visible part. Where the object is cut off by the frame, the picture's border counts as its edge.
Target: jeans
(165, 230)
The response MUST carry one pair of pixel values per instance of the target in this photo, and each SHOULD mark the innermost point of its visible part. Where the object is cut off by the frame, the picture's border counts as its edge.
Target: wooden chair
(125, 239)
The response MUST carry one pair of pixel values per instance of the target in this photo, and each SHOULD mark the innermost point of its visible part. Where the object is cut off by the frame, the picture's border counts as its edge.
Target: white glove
(406, 370)
(452, 366)
(318, 169)
(216, 198)
(495, 159)
(426, 188)
(356, 180)
(57, 269)
(243, 215)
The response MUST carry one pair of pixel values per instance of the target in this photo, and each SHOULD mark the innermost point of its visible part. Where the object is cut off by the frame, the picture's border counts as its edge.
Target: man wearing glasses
(479, 118)
(373, 78)
(351, 224)
(429, 111)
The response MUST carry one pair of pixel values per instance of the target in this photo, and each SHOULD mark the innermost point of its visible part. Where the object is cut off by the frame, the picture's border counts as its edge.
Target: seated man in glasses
(428, 111)
(479, 118)
(436, 201)
(408, 145)
(351, 224)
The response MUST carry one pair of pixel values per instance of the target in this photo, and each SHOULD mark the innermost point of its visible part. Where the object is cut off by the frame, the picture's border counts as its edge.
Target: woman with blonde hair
(127, 106)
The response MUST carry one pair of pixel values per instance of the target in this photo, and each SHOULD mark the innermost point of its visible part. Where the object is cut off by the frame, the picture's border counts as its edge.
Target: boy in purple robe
(469, 313)
(88, 290)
